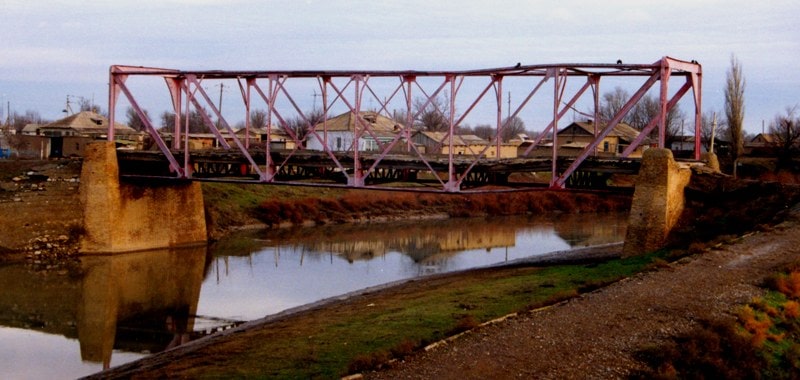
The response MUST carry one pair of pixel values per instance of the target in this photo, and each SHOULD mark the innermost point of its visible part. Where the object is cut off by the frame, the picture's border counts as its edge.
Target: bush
(713, 351)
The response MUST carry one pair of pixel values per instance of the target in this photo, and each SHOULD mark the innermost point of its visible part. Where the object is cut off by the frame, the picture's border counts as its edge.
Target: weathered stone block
(658, 202)
(121, 217)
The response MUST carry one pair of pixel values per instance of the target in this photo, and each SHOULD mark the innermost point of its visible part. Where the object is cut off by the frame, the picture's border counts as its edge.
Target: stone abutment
(122, 217)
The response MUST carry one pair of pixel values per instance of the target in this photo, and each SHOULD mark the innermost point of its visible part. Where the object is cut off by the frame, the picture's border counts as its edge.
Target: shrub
(791, 310)
(712, 351)
(789, 285)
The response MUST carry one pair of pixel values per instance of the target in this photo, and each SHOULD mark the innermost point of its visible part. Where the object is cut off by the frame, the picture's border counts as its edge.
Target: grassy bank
(368, 330)
(231, 205)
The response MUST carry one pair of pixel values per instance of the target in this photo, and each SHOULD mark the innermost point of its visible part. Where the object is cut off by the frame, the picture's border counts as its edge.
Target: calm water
(110, 310)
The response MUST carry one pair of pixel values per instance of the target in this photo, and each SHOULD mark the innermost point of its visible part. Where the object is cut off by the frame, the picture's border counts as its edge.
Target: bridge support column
(658, 202)
(120, 217)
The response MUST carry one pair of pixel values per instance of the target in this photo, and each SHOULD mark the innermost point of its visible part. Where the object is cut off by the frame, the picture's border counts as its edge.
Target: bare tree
(611, 103)
(197, 123)
(734, 106)
(647, 108)
(511, 128)
(87, 105)
(134, 121)
(433, 115)
(786, 129)
(19, 121)
(301, 126)
(258, 119)
(484, 131)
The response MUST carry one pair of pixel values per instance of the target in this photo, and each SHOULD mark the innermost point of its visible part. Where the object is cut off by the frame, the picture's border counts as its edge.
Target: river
(109, 310)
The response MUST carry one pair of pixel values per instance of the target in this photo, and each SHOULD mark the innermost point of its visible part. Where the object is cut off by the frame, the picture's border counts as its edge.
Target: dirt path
(595, 336)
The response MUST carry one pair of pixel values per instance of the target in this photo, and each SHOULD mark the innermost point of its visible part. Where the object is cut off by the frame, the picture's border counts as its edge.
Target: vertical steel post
(500, 127)
(247, 120)
(270, 172)
(595, 80)
(186, 169)
(698, 113)
(662, 121)
(113, 94)
(175, 87)
(556, 87)
(408, 79)
(325, 80)
(358, 178)
(452, 184)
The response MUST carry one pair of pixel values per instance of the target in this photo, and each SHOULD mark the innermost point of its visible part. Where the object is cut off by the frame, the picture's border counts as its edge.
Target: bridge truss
(466, 94)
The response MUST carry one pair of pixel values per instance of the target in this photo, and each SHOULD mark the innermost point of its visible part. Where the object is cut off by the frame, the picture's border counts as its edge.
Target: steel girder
(414, 91)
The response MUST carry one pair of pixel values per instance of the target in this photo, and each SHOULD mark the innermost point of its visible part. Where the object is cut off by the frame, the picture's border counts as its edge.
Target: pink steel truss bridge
(468, 95)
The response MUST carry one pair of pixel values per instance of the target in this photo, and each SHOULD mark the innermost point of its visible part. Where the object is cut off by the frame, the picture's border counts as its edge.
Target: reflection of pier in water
(431, 243)
(136, 302)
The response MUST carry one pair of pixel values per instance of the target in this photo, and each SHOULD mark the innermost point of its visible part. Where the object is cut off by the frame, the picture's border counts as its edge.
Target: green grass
(764, 341)
(357, 335)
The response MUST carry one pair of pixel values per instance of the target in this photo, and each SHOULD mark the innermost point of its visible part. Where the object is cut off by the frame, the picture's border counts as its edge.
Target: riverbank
(597, 331)
(718, 206)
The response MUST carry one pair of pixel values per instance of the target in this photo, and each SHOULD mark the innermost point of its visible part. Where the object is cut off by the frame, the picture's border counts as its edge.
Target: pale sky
(51, 49)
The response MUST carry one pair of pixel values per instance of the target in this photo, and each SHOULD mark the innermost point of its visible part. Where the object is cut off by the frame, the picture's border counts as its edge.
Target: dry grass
(366, 204)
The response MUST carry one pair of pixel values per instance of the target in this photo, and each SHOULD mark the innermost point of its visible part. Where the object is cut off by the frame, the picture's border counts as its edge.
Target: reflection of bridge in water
(432, 243)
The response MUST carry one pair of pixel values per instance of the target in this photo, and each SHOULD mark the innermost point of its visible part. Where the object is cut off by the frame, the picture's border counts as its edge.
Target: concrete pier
(658, 202)
(122, 217)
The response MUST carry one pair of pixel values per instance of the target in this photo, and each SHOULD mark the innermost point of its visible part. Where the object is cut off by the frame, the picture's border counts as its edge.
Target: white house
(339, 132)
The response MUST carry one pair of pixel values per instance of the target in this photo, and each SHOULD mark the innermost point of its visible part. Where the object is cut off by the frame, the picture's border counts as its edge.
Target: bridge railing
(390, 111)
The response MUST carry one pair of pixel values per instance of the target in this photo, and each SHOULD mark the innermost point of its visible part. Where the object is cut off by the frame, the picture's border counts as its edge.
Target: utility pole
(509, 105)
(315, 95)
(219, 105)
(713, 132)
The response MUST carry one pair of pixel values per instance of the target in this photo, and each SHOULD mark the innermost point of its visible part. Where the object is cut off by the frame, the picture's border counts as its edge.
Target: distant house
(69, 136)
(85, 124)
(763, 140)
(469, 145)
(574, 138)
(339, 133)
(279, 139)
(763, 144)
(31, 130)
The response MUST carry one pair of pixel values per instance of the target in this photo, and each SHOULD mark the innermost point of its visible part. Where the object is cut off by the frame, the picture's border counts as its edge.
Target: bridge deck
(316, 168)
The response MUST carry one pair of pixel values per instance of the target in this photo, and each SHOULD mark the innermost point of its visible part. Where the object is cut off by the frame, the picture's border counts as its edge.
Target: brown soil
(38, 199)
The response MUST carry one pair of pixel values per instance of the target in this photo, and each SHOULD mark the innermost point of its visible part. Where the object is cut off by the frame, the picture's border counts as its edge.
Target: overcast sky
(51, 49)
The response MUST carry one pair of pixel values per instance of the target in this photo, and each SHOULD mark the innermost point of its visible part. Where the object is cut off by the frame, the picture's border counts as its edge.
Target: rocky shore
(40, 213)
